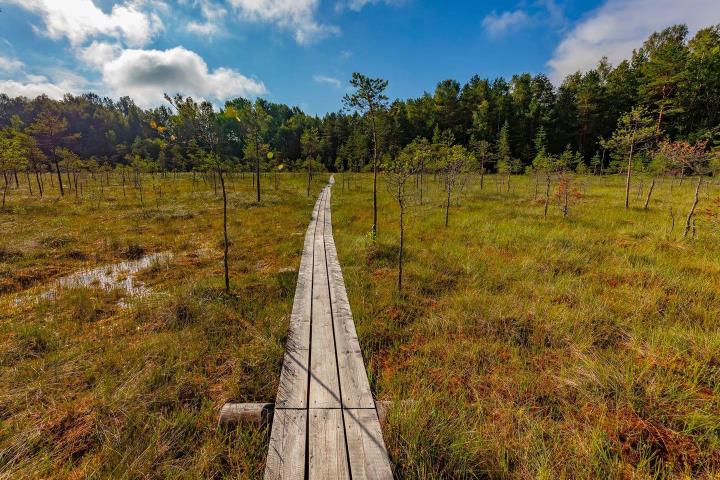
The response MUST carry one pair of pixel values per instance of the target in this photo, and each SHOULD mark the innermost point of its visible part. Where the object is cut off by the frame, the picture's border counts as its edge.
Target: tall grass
(97, 384)
(579, 347)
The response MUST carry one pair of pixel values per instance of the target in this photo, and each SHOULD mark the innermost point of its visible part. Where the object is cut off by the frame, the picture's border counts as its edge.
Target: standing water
(110, 277)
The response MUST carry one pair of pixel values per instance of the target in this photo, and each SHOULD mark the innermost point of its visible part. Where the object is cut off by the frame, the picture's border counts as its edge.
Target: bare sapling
(688, 158)
(398, 171)
(545, 164)
(690, 218)
(454, 167)
(310, 142)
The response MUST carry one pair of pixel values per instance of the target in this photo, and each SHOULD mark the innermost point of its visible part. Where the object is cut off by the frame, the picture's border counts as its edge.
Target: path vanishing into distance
(325, 424)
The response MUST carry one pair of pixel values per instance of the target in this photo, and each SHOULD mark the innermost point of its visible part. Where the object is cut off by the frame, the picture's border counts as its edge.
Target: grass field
(578, 347)
(94, 389)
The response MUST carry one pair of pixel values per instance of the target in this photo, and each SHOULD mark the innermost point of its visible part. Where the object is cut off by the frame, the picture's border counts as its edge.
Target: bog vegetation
(535, 268)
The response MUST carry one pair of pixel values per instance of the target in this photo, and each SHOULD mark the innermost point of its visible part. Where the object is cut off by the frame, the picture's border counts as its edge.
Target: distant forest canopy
(676, 79)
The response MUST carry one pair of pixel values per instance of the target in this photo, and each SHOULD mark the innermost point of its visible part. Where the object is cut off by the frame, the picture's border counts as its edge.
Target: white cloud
(213, 16)
(357, 5)
(80, 20)
(99, 39)
(146, 75)
(619, 26)
(498, 24)
(205, 29)
(329, 80)
(9, 65)
(98, 54)
(297, 16)
(14, 88)
(32, 86)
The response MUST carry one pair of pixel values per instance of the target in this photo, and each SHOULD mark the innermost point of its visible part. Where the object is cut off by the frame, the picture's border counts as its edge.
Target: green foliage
(673, 77)
(636, 131)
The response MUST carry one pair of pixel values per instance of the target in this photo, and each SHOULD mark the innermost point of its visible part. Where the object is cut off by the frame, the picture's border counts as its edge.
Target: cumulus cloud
(496, 24)
(32, 86)
(146, 74)
(109, 42)
(328, 80)
(15, 88)
(98, 54)
(619, 26)
(80, 20)
(298, 16)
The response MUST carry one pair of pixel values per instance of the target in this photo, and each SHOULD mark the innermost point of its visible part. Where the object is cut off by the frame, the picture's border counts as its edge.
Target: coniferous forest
(671, 81)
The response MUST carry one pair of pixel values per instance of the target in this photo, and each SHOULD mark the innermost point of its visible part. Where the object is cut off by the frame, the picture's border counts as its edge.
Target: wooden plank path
(325, 424)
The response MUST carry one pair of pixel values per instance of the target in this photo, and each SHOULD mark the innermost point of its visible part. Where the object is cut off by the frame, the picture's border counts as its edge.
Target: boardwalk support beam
(260, 415)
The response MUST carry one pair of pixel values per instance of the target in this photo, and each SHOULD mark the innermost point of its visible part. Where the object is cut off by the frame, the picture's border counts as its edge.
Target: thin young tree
(310, 142)
(369, 98)
(454, 167)
(507, 165)
(398, 171)
(691, 159)
(202, 126)
(659, 166)
(50, 130)
(13, 156)
(566, 192)
(36, 159)
(256, 121)
(221, 167)
(481, 150)
(545, 164)
(424, 153)
(636, 130)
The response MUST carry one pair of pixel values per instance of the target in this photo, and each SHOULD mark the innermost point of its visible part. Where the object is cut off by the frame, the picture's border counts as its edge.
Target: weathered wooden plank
(353, 376)
(286, 456)
(292, 389)
(333, 428)
(233, 414)
(326, 448)
(366, 448)
(324, 385)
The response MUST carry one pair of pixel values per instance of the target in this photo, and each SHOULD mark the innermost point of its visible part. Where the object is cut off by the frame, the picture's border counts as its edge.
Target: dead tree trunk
(629, 172)
(59, 177)
(225, 235)
(447, 208)
(402, 247)
(688, 222)
(547, 196)
(650, 191)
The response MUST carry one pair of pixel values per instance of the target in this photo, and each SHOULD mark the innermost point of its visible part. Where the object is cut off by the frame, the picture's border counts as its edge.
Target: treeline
(674, 78)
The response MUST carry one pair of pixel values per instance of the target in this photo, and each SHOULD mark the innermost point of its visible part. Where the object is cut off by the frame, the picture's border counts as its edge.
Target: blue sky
(302, 52)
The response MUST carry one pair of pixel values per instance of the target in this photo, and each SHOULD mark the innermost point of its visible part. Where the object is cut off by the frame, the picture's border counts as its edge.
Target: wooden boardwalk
(325, 424)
